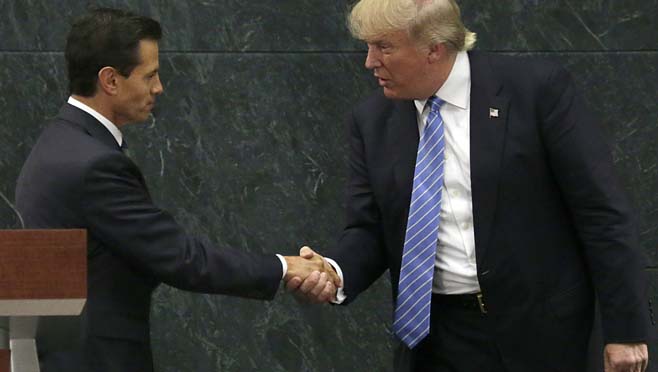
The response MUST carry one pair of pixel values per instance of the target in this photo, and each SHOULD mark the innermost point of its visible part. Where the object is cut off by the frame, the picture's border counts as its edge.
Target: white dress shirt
(455, 270)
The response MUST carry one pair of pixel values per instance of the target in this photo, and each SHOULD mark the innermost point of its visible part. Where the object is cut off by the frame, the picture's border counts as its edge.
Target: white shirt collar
(114, 130)
(456, 89)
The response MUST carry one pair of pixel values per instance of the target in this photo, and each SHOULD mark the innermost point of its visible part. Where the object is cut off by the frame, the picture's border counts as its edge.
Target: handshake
(311, 278)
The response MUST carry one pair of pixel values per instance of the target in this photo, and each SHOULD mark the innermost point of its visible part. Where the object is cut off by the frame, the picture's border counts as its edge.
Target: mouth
(382, 82)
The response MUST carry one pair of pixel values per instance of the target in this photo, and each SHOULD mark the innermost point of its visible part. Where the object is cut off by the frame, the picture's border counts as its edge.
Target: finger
(310, 282)
(306, 252)
(640, 365)
(333, 275)
(316, 292)
(636, 362)
(606, 363)
(635, 366)
(336, 279)
(293, 283)
(329, 293)
(319, 287)
(329, 269)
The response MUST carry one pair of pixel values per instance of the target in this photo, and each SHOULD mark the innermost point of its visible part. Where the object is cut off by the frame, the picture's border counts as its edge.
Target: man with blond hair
(484, 186)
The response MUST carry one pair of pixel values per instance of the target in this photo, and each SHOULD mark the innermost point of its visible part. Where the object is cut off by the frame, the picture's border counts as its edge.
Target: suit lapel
(91, 126)
(404, 131)
(88, 123)
(488, 121)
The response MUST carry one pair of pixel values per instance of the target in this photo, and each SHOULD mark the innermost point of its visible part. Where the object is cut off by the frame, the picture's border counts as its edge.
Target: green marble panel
(318, 25)
(248, 149)
(32, 88)
(193, 25)
(563, 25)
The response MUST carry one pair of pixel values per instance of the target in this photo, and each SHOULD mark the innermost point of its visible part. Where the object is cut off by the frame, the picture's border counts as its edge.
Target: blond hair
(428, 22)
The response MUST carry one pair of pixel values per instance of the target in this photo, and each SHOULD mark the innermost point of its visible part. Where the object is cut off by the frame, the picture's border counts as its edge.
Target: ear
(436, 52)
(107, 80)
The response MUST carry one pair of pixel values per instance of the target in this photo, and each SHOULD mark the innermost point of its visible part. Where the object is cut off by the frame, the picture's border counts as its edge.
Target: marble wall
(246, 145)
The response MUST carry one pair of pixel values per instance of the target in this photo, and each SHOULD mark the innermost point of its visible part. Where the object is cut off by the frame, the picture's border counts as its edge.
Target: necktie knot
(435, 103)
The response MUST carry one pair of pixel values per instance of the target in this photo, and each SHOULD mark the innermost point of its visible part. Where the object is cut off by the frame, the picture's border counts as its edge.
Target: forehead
(148, 53)
(395, 37)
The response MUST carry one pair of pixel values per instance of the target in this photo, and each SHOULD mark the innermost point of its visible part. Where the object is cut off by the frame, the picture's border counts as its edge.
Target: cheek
(404, 74)
(414, 71)
(401, 69)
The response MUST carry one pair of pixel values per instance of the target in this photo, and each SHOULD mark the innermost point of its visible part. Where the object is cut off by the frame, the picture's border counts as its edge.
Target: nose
(372, 59)
(157, 87)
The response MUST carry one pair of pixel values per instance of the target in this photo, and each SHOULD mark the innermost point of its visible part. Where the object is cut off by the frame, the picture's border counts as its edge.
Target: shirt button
(455, 193)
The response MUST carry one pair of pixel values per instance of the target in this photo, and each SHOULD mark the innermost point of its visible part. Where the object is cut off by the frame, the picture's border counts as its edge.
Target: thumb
(306, 252)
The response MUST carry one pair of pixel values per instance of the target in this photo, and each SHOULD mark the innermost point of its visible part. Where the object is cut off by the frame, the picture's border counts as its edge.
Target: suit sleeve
(582, 165)
(360, 251)
(122, 216)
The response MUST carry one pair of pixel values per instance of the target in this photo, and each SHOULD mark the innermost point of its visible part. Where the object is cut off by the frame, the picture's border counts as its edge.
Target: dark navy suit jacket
(552, 225)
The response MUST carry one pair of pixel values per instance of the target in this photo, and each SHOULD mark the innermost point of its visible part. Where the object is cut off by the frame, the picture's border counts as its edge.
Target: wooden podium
(42, 273)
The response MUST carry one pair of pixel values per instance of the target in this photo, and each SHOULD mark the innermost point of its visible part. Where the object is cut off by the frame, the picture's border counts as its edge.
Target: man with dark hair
(107, 37)
(77, 176)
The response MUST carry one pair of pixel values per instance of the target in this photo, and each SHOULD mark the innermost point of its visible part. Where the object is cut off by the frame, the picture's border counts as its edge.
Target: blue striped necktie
(412, 311)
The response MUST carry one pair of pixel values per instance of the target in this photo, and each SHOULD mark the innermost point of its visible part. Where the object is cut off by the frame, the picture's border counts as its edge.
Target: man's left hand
(626, 357)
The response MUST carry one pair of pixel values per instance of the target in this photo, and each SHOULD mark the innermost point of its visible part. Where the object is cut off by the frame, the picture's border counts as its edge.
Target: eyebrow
(378, 42)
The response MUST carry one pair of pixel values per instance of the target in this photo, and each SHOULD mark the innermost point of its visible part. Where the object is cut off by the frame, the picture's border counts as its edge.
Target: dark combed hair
(105, 37)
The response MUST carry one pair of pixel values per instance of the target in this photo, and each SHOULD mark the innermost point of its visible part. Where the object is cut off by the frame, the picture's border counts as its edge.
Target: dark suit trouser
(459, 341)
(101, 354)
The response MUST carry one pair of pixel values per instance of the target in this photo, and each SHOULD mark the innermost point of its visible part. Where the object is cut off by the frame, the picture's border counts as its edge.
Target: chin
(390, 93)
(393, 94)
(145, 116)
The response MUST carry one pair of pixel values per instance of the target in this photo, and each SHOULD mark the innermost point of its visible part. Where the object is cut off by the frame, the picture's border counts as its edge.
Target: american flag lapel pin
(493, 112)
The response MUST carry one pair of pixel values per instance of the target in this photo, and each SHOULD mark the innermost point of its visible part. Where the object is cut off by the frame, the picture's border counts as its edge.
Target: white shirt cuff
(284, 265)
(340, 294)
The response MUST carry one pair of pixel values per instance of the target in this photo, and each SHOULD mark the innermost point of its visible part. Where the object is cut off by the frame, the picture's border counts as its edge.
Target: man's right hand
(319, 285)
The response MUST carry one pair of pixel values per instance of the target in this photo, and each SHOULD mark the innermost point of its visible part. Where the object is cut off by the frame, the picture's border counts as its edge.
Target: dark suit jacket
(77, 177)
(551, 223)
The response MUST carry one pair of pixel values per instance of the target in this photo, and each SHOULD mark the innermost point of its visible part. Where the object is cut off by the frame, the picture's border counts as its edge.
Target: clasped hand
(310, 277)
